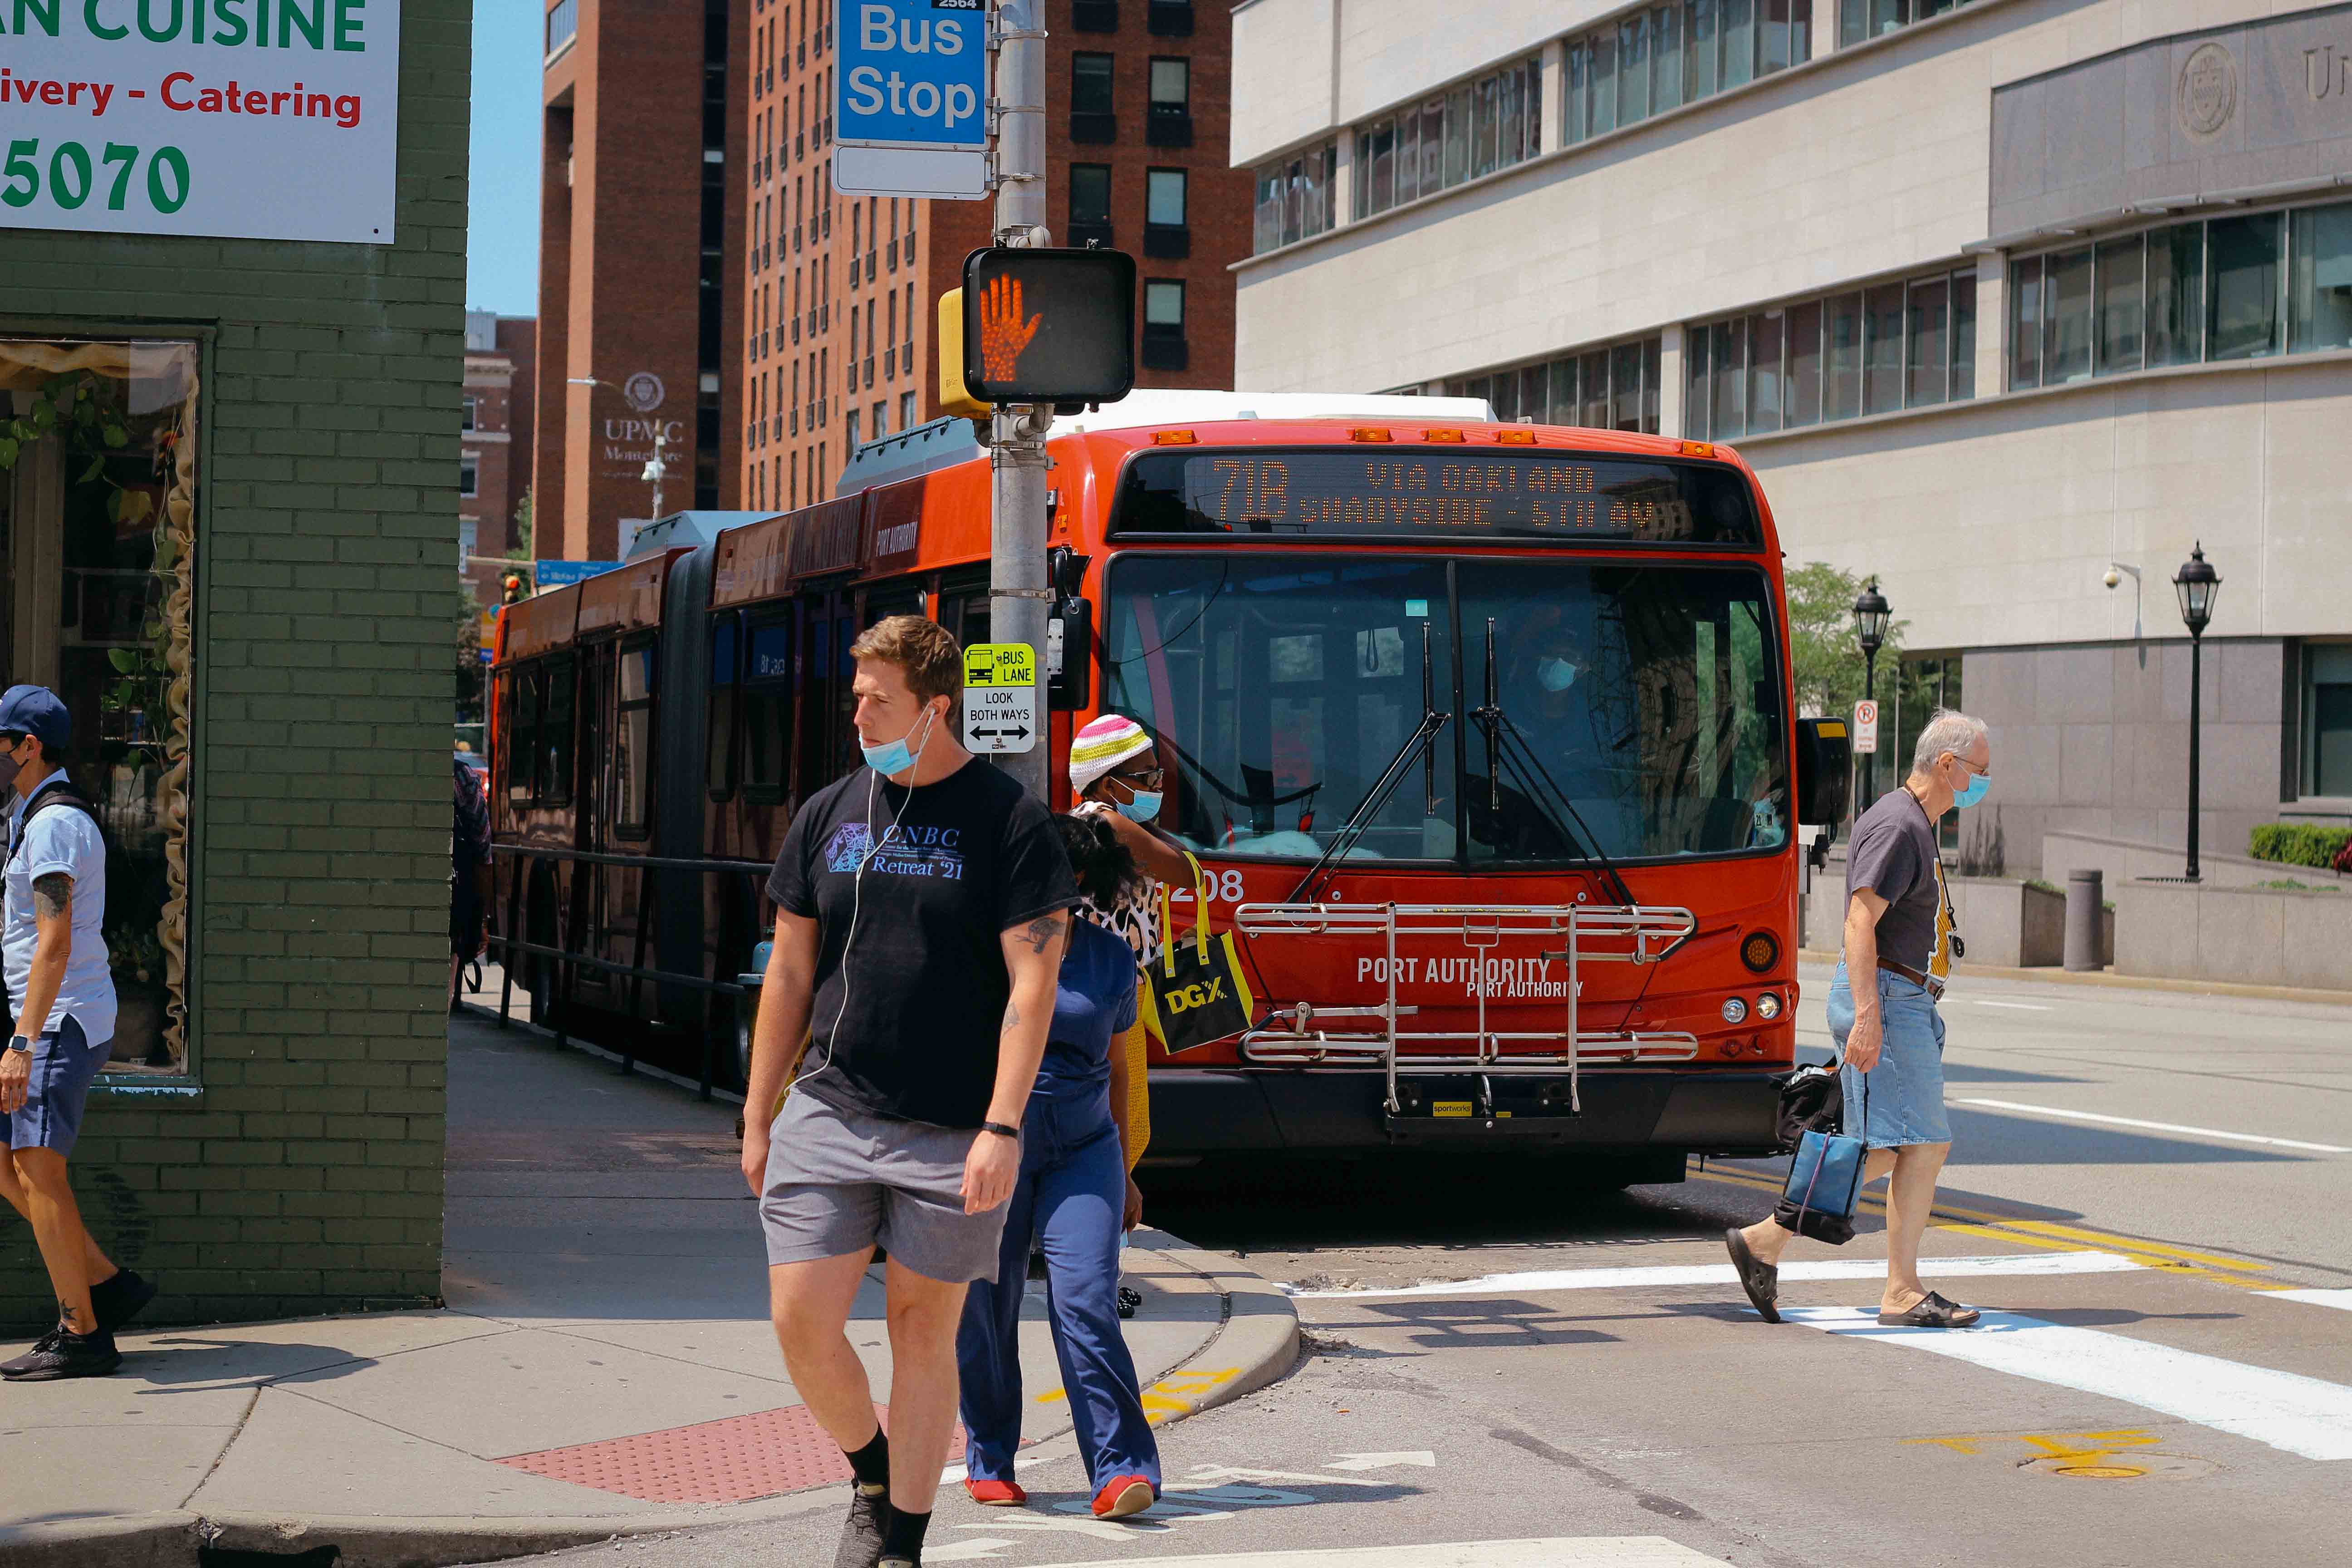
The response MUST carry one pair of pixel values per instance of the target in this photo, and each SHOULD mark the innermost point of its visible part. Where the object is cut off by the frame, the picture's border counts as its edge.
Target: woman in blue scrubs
(1070, 1201)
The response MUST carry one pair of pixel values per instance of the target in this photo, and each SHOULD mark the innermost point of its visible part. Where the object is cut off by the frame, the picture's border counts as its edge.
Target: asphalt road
(2167, 1378)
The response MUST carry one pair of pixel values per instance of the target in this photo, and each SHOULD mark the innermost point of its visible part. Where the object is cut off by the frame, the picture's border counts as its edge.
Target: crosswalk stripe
(2340, 1299)
(2284, 1410)
(1637, 1279)
(1558, 1551)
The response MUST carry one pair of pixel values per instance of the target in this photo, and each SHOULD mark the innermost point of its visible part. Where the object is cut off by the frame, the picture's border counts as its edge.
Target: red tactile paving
(730, 1460)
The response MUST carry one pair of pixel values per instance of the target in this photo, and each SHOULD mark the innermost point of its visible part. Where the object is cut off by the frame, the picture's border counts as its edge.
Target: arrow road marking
(1422, 1457)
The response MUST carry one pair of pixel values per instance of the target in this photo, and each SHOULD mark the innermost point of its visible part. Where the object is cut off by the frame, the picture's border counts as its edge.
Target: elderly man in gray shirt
(1899, 940)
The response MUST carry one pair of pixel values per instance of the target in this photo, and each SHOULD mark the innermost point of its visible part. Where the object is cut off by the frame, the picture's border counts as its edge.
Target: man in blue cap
(61, 995)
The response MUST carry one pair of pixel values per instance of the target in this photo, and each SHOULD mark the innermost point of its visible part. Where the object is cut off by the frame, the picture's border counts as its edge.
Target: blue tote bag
(1825, 1181)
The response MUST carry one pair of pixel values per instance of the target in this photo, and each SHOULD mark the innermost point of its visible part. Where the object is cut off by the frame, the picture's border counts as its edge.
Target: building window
(1095, 16)
(1169, 119)
(469, 536)
(1860, 20)
(906, 410)
(1092, 118)
(1475, 129)
(563, 26)
(849, 426)
(1168, 18)
(1909, 344)
(2247, 286)
(1165, 235)
(1613, 388)
(470, 411)
(1163, 325)
(1294, 197)
(1652, 60)
(2327, 719)
(1090, 204)
(469, 475)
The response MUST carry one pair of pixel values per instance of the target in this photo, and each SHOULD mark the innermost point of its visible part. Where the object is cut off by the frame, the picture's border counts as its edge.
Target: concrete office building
(639, 294)
(841, 292)
(1993, 297)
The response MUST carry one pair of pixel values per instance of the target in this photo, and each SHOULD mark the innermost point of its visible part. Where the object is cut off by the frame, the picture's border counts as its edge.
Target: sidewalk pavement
(604, 1364)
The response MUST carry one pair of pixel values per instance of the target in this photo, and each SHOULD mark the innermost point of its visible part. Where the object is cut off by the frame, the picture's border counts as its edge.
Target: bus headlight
(1768, 1006)
(1735, 1011)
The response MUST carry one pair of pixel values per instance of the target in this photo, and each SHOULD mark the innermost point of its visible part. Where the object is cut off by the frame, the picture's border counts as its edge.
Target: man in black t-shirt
(921, 905)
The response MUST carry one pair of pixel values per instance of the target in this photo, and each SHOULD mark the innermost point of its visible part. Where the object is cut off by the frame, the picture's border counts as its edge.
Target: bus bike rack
(1596, 934)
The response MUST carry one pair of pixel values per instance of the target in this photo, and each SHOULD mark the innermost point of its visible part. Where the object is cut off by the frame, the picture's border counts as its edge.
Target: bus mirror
(1824, 771)
(1069, 634)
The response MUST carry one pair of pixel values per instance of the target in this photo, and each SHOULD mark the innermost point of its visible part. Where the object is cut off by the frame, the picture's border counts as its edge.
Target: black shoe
(1129, 1299)
(1760, 1280)
(861, 1538)
(116, 1301)
(61, 1355)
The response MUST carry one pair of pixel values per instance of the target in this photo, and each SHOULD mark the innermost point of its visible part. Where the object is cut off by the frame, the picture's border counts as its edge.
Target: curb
(2108, 979)
(1256, 1342)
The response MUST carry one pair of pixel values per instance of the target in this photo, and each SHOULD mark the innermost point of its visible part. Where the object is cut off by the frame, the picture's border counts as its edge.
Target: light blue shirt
(61, 838)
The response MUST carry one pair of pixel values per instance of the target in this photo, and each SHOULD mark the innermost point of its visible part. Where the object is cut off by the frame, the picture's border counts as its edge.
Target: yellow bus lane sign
(1000, 710)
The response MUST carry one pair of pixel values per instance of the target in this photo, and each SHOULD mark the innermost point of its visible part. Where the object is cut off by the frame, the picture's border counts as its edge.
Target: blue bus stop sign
(910, 97)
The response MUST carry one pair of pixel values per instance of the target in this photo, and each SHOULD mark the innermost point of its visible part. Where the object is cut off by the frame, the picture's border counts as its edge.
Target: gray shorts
(841, 1181)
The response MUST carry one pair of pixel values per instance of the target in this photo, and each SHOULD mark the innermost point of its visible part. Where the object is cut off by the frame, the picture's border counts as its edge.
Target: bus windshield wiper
(1421, 742)
(1502, 737)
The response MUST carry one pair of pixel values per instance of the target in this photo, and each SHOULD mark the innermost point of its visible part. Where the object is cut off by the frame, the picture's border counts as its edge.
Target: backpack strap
(59, 791)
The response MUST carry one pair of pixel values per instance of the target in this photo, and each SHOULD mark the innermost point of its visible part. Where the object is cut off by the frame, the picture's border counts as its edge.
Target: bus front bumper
(1203, 1111)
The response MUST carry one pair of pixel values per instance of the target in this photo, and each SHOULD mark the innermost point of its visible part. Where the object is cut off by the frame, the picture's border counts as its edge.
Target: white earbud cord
(858, 892)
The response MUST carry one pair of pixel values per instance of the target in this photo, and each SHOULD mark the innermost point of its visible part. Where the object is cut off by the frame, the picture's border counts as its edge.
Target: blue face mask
(1143, 807)
(1556, 674)
(892, 757)
(1978, 784)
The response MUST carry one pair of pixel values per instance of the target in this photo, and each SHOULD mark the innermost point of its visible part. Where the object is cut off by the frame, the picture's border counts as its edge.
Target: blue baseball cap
(34, 711)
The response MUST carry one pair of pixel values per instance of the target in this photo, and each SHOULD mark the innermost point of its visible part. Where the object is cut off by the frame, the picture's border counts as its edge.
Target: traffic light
(1046, 326)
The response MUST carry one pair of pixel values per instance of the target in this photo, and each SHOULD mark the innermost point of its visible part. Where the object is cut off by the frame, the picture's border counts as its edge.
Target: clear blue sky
(502, 228)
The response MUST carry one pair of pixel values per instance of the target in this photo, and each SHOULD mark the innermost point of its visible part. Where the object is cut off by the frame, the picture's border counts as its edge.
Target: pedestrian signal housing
(956, 400)
(1047, 326)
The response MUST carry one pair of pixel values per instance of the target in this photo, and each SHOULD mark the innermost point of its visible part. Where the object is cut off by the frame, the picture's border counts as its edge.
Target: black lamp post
(1870, 616)
(2197, 584)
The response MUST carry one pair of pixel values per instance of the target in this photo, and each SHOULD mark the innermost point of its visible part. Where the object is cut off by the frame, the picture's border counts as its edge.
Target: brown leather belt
(1927, 982)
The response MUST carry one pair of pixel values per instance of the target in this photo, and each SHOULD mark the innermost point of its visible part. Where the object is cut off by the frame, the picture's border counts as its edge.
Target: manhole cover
(2127, 1466)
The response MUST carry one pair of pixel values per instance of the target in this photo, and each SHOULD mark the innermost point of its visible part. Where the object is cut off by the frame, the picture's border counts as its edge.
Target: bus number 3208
(74, 176)
(1224, 887)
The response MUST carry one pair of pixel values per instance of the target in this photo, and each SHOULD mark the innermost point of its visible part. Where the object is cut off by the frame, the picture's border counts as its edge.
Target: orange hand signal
(1003, 333)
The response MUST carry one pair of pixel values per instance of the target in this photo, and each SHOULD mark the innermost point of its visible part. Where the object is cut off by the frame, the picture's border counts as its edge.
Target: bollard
(2085, 896)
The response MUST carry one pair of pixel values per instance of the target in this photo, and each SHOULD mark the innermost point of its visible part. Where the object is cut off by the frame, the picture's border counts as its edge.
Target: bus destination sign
(1385, 492)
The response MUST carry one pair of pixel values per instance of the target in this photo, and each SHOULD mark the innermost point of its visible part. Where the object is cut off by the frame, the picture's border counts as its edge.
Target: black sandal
(1931, 1311)
(1760, 1280)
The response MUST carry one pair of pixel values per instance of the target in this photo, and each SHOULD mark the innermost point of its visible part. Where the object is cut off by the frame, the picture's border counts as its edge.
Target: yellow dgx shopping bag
(1196, 992)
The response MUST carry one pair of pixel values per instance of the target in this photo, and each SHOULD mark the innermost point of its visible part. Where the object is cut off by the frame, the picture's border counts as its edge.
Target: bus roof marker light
(1370, 433)
(1515, 438)
(1174, 439)
(1444, 437)
(1698, 448)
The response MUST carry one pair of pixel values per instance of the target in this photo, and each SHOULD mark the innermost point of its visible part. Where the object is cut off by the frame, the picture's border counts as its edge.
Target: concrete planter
(2256, 936)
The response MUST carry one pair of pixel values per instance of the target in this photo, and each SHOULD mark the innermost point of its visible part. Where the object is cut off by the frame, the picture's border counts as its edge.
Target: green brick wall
(305, 1177)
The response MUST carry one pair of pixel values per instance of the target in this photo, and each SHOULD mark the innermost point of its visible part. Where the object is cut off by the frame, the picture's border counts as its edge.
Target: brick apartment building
(839, 293)
(640, 295)
(494, 443)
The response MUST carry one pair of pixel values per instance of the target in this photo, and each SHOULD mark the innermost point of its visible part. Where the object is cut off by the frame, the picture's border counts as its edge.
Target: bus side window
(633, 741)
(521, 748)
(767, 709)
(725, 647)
(846, 753)
(553, 784)
(815, 768)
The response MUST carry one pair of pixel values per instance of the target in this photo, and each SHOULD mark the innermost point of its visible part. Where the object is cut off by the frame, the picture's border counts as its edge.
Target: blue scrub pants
(1070, 1199)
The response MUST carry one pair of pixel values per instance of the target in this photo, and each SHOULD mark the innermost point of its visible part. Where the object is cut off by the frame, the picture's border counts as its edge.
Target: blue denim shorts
(65, 1064)
(1903, 1096)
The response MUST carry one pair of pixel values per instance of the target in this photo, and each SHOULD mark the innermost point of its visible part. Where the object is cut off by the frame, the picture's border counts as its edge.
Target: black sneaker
(861, 1538)
(116, 1299)
(1129, 1299)
(61, 1355)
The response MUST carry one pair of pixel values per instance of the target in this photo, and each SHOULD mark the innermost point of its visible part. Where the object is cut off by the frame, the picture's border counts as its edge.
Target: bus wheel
(742, 1058)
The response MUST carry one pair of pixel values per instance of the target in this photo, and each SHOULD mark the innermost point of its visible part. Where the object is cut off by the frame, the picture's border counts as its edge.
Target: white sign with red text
(241, 119)
(1865, 727)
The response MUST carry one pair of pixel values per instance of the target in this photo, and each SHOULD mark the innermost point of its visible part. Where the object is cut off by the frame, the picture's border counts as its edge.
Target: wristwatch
(19, 1043)
(1000, 1130)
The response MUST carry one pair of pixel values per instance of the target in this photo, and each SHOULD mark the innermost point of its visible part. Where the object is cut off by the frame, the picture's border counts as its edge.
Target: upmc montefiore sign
(241, 119)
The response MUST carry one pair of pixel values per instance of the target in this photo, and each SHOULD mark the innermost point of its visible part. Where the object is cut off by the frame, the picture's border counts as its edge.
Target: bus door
(827, 745)
(586, 903)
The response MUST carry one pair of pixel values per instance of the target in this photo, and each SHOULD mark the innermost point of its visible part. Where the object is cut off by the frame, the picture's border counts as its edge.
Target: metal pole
(1870, 694)
(2196, 696)
(1016, 576)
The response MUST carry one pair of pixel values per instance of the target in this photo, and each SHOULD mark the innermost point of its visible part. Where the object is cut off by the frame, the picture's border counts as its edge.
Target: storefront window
(97, 475)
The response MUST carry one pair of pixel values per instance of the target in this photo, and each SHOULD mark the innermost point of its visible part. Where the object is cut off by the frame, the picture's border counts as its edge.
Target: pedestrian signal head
(1048, 326)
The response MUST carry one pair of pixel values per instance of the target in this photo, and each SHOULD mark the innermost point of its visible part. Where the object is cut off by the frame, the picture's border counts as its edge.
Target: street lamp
(2197, 584)
(1870, 617)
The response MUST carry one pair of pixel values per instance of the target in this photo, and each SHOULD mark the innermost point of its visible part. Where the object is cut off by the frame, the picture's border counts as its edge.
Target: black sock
(872, 1462)
(903, 1536)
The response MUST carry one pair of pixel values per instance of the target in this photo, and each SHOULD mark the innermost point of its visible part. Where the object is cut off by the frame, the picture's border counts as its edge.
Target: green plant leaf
(124, 659)
(116, 436)
(92, 472)
(167, 553)
(44, 414)
(7, 452)
(137, 506)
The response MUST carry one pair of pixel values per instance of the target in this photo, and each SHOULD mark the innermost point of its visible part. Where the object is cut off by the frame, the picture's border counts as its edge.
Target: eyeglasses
(1151, 779)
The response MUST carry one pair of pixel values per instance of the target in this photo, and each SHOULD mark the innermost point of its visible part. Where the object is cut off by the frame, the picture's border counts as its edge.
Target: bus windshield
(1637, 705)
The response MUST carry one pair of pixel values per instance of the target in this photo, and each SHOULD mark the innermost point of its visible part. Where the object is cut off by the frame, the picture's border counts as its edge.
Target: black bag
(1196, 992)
(1812, 1099)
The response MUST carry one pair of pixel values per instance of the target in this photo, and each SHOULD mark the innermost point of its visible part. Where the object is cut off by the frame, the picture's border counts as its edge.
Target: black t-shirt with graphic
(906, 1021)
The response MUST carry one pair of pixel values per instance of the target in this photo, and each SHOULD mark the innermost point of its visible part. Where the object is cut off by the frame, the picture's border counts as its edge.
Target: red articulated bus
(1484, 736)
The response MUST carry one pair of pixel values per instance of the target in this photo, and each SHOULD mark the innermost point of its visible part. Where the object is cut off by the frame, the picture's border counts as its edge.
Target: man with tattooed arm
(921, 907)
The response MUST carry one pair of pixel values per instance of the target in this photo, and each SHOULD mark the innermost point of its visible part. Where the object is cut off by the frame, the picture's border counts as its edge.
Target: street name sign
(1865, 727)
(911, 99)
(1001, 711)
(217, 117)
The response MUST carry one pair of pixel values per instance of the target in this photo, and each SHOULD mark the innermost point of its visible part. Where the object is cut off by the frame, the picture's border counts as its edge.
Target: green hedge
(2300, 842)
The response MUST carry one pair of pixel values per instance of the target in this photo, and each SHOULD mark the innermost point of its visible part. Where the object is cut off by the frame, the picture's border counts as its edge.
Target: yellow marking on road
(2083, 1454)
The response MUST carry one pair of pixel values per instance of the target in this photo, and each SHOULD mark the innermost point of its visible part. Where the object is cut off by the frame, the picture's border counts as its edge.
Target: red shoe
(1124, 1495)
(995, 1494)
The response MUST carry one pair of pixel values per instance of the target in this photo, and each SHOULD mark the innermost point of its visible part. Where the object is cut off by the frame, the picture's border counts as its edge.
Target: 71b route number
(74, 177)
